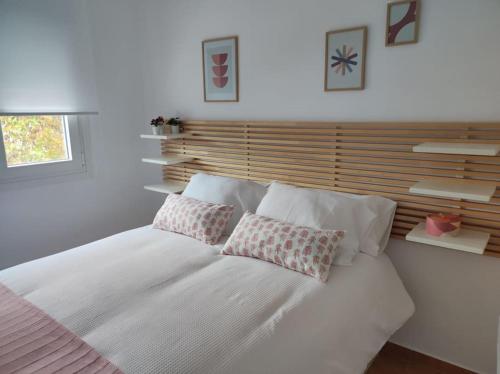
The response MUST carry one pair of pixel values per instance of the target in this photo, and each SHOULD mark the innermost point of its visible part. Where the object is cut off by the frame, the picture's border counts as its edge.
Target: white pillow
(320, 209)
(375, 240)
(243, 195)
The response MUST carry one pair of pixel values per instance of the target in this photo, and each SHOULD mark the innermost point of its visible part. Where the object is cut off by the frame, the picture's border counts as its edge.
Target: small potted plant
(157, 124)
(175, 124)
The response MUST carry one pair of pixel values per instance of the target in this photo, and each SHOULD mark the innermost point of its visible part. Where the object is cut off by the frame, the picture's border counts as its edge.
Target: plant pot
(157, 130)
(174, 129)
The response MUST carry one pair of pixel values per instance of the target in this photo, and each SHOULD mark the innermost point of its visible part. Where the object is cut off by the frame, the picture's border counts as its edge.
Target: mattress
(157, 302)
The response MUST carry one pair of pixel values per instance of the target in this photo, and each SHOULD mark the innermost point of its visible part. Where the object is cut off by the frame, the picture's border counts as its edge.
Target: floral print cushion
(194, 218)
(299, 248)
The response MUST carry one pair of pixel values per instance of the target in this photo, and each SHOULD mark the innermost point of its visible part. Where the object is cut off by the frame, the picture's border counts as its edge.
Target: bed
(151, 301)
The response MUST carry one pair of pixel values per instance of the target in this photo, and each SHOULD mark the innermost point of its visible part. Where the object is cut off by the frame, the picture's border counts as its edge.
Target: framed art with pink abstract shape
(220, 69)
(402, 22)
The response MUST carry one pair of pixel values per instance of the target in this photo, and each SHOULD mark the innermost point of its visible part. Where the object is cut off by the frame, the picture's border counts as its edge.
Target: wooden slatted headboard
(361, 158)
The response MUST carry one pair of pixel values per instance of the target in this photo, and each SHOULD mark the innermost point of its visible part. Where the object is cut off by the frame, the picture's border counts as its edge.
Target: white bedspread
(158, 302)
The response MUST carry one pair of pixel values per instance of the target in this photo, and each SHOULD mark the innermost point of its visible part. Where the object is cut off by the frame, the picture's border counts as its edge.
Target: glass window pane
(32, 140)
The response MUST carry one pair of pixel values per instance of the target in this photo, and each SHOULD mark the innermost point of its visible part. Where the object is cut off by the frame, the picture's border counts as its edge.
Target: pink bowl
(442, 224)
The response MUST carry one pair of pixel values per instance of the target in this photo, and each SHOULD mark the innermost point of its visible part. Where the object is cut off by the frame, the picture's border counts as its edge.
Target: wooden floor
(394, 359)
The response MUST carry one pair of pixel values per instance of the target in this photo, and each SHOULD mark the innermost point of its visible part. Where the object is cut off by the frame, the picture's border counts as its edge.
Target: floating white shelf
(167, 160)
(163, 137)
(459, 148)
(466, 240)
(167, 187)
(456, 189)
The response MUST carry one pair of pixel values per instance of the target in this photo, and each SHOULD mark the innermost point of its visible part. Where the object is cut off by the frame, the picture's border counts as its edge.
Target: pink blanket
(32, 342)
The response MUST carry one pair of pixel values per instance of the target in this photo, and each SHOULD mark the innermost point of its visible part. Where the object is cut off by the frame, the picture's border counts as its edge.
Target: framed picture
(345, 53)
(402, 22)
(220, 69)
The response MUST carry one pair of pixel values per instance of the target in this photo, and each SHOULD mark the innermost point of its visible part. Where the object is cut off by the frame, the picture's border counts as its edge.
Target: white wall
(451, 74)
(41, 218)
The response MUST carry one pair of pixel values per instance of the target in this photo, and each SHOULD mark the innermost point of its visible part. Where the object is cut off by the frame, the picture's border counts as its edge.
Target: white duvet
(157, 302)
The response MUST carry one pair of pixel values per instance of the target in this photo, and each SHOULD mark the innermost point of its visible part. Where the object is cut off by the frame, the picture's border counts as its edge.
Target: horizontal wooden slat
(352, 125)
(325, 137)
(311, 130)
(362, 158)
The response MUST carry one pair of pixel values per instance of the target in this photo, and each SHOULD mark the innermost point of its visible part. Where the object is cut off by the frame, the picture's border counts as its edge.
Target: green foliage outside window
(33, 139)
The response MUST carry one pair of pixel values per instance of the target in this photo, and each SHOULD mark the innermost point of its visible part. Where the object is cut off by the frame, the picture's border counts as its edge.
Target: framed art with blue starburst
(345, 54)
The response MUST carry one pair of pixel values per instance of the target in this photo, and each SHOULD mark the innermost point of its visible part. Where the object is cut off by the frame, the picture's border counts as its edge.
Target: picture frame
(220, 69)
(345, 59)
(402, 22)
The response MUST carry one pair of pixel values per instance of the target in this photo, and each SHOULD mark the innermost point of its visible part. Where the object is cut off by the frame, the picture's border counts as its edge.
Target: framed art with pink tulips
(220, 69)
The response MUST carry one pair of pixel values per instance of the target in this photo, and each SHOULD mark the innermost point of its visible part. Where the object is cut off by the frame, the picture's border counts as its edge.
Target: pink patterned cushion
(299, 248)
(194, 218)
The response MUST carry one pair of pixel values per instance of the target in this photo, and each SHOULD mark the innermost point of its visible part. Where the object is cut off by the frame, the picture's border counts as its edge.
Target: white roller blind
(46, 63)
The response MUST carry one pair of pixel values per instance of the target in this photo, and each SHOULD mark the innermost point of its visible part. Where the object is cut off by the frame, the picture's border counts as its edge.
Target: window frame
(49, 169)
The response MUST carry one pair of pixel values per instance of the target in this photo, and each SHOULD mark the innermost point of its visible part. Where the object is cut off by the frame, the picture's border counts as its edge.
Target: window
(39, 146)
